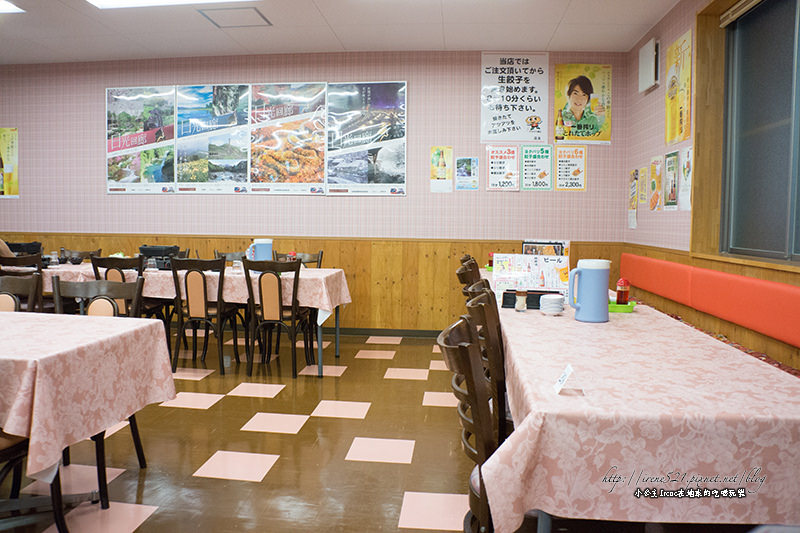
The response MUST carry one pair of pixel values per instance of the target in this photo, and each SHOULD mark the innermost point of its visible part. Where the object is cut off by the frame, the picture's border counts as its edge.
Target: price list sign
(537, 168)
(502, 168)
(570, 168)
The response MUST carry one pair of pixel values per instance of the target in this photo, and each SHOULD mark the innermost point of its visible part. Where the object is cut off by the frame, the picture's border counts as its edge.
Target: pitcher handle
(571, 288)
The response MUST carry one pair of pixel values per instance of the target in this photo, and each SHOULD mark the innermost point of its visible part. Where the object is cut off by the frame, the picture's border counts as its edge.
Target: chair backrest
(102, 306)
(28, 286)
(82, 254)
(25, 248)
(467, 274)
(115, 266)
(306, 259)
(194, 291)
(461, 353)
(229, 256)
(131, 293)
(8, 302)
(268, 296)
(465, 258)
(478, 287)
(32, 260)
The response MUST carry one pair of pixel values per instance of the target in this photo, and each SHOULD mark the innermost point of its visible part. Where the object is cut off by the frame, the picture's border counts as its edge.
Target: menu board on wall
(514, 97)
(9, 163)
(366, 139)
(140, 132)
(537, 168)
(570, 168)
(287, 138)
(502, 168)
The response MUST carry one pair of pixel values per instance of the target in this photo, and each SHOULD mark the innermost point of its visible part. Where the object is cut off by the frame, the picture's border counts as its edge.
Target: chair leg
(137, 441)
(65, 460)
(278, 342)
(16, 479)
(235, 340)
(293, 340)
(218, 332)
(100, 458)
(266, 347)
(58, 504)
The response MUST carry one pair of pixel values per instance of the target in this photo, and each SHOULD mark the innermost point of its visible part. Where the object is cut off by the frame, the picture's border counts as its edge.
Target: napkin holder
(531, 300)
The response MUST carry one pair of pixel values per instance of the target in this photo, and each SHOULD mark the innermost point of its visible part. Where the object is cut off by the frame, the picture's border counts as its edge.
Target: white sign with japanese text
(537, 167)
(502, 168)
(514, 97)
(570, 168)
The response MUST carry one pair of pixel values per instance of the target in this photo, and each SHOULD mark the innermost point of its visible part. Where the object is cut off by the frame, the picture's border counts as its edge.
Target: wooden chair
(309, 260)
(467, 274)
(193, 306)
(483, 311)
(15, 290)
(25, 248)
(461, 353)
(266, 309)
(31, 264)
(73, 255)
(229, 256)
(13, 450)
(100, 299)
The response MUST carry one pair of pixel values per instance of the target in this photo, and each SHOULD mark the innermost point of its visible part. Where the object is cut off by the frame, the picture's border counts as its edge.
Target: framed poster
(140, 133)
(514, 102)
(502, 168)
(366, 138)
(582, 103)
(287, 138)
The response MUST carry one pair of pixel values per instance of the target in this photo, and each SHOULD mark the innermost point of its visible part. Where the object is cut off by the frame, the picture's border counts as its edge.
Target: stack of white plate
(551, 304)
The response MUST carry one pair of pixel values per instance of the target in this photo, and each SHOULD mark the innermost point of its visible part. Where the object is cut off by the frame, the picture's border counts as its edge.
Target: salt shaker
(521, 303)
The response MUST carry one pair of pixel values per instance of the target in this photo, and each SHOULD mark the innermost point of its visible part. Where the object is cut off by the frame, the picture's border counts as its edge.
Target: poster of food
(537, 167)
(685, 187)
(287, 139)
(366, 139)
(9, 163)
(441, 173)
(502, 168)
(570, 168)
(140, 133)
(467, 174)
(582, 103)
(670, 182)
(514, 97)
(678, 94)
(633, 193)
(644, 183)
(656, 173)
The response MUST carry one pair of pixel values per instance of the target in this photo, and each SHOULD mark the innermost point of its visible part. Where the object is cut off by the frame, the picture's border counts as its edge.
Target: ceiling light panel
(8, 7)
(117, 4)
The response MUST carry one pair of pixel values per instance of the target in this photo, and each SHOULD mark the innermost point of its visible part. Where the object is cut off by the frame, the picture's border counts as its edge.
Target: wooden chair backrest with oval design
(193, 306)
(308, 260)
(21, 292)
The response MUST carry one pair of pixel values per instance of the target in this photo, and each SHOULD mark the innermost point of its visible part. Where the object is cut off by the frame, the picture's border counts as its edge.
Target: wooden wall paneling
(356, 263)
(708, 136)
(387, 280)
(434, 287)
(411, 300)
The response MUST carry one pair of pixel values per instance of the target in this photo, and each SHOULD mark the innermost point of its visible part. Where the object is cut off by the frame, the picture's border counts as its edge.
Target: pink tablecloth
(663, 406)
(64, 378)
(322, 288)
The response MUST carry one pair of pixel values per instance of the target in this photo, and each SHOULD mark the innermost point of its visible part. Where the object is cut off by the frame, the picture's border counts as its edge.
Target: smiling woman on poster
(582, 119)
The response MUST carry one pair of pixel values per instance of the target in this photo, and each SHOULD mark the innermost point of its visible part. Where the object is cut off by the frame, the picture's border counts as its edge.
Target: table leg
(543, 522)
(337, 331)
(319, 350)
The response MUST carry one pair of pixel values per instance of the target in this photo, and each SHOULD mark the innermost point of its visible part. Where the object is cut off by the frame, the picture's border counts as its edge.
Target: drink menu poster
(529, 271)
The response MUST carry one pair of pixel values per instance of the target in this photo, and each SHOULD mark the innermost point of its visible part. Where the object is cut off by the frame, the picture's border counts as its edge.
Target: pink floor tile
(436, 349)
(119, 518)
(239, 340)
(75, 479)
(374, 339)
(375, 354)
(193, 400)
(240, 466)
(381, 450)
(257, 390)
(420, 374)
(192, 374)
(430, 510)
(325, 344)
(341, 409)
(437, 365)
(327, 370)
(439, 399)
(275, 423)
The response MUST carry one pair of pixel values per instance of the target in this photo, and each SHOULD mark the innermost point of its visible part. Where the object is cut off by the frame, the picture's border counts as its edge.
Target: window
(761, 203)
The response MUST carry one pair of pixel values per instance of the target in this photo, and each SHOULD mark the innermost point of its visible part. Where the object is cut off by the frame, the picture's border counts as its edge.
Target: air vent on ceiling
(236, 17)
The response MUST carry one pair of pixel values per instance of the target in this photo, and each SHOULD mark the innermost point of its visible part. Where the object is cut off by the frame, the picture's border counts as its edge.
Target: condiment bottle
(623, 288)
(521, 303)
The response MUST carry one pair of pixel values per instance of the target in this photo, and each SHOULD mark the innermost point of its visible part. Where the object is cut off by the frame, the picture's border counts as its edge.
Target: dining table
(642, 418)
(65, 378)
(324, 289)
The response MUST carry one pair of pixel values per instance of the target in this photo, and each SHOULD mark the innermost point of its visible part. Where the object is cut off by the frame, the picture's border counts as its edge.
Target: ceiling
(56, 31)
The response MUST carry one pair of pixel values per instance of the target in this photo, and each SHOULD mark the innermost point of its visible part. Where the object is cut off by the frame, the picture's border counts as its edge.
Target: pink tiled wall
(644, 132)
(60, 109)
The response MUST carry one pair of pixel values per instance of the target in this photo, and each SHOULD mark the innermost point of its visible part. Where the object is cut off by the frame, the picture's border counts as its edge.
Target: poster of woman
(582, 103)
